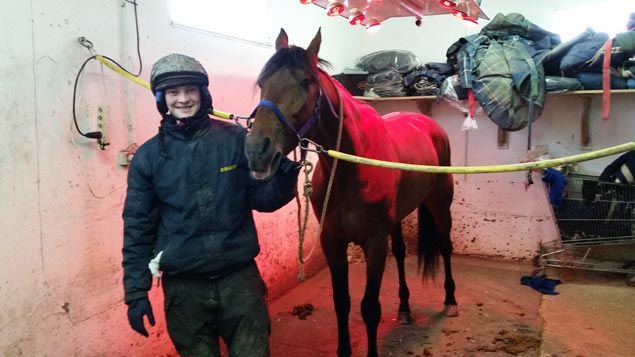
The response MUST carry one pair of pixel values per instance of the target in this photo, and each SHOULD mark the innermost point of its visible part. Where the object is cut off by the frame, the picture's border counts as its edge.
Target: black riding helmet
(177, 70)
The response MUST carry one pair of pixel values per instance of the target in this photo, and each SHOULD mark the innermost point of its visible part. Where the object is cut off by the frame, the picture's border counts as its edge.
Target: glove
(136, 310)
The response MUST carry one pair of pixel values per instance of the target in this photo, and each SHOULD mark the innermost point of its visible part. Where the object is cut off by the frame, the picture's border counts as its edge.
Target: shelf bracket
(502, 139)
(424, 107)
(585, 136)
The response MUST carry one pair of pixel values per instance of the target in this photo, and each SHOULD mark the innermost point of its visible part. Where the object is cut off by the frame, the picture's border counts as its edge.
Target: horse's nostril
(265, 145)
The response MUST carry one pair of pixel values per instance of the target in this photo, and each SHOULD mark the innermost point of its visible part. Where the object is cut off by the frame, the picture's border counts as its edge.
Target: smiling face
(183, 101)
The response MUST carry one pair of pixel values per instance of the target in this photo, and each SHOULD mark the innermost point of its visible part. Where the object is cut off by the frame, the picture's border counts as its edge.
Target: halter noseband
(305, 128)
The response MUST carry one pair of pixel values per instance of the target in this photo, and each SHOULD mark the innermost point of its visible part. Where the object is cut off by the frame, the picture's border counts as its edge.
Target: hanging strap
(471, 102)
(606, 80)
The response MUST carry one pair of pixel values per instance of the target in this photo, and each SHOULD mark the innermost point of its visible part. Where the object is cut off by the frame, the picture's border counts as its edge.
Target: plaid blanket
(503, 65)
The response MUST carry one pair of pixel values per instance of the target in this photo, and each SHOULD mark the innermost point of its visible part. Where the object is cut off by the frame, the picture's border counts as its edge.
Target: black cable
(97, 135)
(92, 135)
(136, 22)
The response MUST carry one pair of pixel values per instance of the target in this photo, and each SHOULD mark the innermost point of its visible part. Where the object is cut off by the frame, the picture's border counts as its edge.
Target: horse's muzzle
(263, 160)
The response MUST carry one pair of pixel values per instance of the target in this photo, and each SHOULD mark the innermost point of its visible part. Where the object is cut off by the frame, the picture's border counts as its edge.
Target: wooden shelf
(425, 102)
(434, 97)
(397, 99)
(593, 92)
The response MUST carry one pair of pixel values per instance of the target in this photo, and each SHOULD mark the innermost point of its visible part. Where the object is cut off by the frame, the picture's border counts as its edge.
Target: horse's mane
(293, 58)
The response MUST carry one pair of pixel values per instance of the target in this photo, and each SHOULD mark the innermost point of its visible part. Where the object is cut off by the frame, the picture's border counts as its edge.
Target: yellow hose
(425, 168)
(141, 82)
(485, 169)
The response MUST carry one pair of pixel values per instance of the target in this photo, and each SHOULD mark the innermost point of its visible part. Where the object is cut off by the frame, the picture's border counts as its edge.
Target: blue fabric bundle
(556, 182)
(544, 285)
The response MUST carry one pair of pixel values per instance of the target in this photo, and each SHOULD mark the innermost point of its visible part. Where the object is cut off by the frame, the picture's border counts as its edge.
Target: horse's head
(289, 105)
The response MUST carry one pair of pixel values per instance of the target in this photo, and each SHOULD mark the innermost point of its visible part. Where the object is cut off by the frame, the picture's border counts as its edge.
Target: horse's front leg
(375, 249)
(399, 251)
(336, 257)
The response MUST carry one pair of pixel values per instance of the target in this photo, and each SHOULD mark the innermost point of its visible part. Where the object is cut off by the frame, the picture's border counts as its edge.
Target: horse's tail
(428, 243)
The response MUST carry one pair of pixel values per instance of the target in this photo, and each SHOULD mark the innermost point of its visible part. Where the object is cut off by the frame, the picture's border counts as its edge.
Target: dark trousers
(232, 307)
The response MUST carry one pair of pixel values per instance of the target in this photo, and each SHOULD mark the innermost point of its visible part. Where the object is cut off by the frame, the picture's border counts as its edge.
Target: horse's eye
(305, 83)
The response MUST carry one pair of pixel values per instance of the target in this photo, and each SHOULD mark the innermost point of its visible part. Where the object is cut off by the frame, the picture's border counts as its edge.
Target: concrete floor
(594, 315)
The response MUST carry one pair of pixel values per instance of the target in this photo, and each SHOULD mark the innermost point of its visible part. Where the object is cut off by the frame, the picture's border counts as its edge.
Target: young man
(188, 213)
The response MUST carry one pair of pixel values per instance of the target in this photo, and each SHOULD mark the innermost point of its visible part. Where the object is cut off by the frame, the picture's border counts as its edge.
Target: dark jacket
(191, 196)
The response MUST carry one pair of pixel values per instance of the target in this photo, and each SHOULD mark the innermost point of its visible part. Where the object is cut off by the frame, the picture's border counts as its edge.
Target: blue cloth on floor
(556, 182)
(542, 284)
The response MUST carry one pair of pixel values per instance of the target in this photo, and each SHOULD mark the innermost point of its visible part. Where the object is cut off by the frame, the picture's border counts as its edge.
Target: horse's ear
(282, 41)
(314, 47)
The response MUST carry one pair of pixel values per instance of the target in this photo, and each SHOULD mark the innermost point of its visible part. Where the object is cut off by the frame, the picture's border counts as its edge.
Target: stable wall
(62, 197)
(494, 215)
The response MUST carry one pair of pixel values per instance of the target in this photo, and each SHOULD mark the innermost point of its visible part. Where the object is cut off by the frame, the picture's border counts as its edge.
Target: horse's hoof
(404, 318)
(451, 310)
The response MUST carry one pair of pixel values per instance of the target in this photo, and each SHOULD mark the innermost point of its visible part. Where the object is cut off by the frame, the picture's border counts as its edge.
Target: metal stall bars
(593, 218)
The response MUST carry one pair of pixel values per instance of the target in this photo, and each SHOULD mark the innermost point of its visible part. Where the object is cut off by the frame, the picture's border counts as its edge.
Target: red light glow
(447, 4)
(335, 9)
(373, 26)
(469, 21)
(357, 20)
(458, 13)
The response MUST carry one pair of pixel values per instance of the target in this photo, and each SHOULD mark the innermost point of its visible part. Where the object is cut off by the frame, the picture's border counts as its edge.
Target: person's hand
(136, 310)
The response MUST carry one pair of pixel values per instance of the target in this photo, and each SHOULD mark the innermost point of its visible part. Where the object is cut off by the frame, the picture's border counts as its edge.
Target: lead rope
(308, 190)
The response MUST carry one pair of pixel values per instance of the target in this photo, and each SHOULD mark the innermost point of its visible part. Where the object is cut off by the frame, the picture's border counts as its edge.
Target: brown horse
(301, 101)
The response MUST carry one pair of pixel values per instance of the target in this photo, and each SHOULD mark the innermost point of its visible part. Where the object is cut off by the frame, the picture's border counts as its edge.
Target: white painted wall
(60, 246)
(62, 197)
(493, 214)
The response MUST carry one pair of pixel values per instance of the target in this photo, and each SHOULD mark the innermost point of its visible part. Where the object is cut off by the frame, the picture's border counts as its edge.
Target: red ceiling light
(460, 14)
(357, 20)
(447, 4)
(373, 25)
(469, 21)
(355, 17)
(306, 2)
(334, 8)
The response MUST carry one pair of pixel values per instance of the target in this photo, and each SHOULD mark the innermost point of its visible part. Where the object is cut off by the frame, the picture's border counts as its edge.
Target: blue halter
(305, 128)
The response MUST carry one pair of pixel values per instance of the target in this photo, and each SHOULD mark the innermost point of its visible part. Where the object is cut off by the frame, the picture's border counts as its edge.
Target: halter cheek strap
(305, 128)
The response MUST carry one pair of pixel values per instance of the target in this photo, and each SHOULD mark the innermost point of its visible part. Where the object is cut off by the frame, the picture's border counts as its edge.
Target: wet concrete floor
(594, 315)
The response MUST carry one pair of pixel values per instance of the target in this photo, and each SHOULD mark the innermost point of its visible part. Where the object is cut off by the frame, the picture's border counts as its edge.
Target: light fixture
(458, 13)
(469, 21)
(335, 8)
(306, 2)
(373, 25)
(447, 4)
(355, 17)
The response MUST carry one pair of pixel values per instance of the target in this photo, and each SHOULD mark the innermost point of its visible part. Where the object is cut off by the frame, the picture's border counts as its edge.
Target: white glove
(154, 265)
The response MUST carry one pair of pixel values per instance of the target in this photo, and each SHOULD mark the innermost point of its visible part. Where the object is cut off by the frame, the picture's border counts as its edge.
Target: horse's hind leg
(399, 251)
(375, 250)
(336, 256)
(438, 205)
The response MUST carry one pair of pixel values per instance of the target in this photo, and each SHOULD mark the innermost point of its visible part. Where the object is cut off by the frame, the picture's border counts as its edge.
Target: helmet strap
(162, 106)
